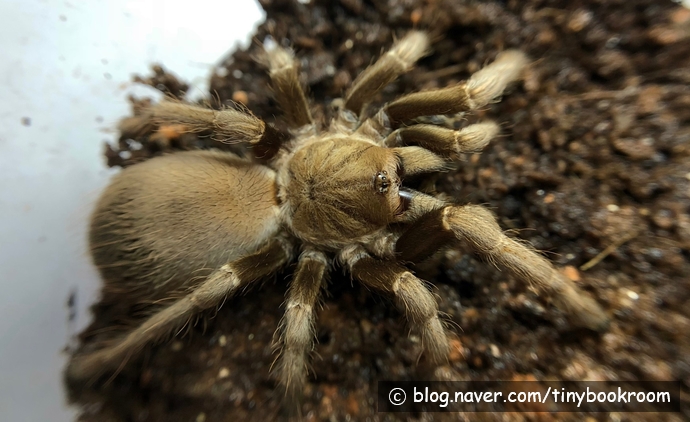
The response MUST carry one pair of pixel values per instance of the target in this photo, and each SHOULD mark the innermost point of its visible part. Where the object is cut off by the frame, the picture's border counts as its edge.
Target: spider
(210, 223)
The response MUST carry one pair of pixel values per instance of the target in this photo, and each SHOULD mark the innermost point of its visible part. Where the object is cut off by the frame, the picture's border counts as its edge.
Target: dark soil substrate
(593, 155)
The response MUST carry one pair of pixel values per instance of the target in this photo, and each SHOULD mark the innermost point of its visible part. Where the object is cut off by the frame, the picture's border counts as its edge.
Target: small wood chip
(571, 272)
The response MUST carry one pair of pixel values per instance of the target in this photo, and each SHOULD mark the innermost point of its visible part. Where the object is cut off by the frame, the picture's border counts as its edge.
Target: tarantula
(209, 223)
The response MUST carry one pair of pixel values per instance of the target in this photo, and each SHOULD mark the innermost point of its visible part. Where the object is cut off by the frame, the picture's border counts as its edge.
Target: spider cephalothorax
(328, 204)
(209, 223)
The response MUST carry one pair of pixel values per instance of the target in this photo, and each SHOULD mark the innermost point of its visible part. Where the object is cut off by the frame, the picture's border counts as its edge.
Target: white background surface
(66, 66)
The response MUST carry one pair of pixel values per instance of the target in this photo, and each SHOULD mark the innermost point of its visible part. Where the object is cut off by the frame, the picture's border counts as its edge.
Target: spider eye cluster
(382, 182)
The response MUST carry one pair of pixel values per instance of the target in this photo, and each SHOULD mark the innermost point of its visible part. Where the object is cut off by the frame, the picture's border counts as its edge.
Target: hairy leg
(297, 327)
(482, 87)
(416, 160)
(223, 282)
(396, 61)
(437, 146)
(411, 296)
(227, 126)
(447, 143)
(479, 90)
(284, 72)
(477, 226)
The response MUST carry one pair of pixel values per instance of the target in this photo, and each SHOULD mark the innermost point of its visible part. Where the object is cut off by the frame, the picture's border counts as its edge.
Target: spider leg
(417, 160)
(297, 327)
(437, 147)
(287, 90)
(220, 284)
(227, 126)
(482, 87)
(445, 142)
(396, 61)
(477, 226)
(411, 295)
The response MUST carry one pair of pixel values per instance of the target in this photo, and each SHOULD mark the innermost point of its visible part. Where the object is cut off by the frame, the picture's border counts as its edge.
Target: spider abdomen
(167, 223)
